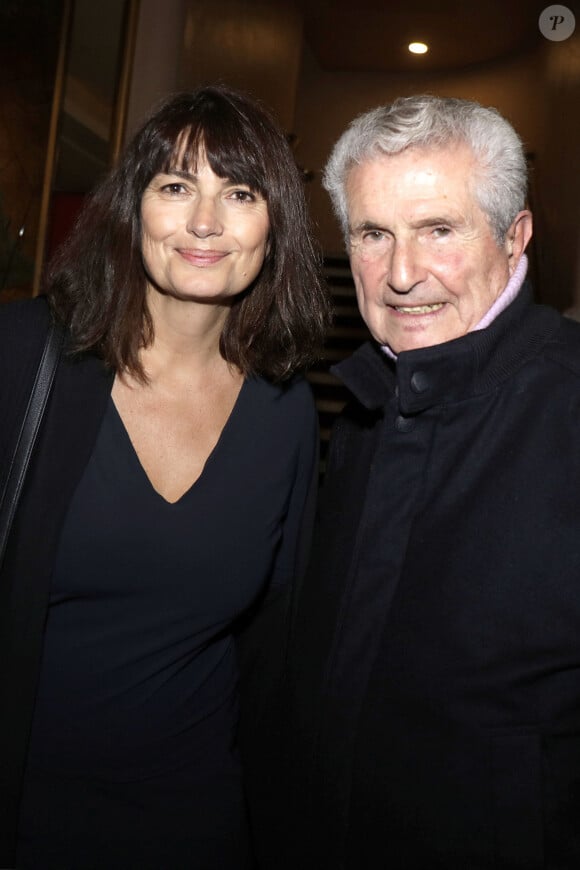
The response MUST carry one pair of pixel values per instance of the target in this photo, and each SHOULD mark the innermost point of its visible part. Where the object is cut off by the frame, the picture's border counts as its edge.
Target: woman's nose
(203, 218)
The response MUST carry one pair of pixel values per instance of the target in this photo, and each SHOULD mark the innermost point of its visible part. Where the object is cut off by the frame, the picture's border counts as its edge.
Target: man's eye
(441, 232)
(373, 236)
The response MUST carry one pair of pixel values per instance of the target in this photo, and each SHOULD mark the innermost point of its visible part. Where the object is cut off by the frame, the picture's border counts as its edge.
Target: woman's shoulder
(23, 327)
(280, 412)
(24, 317)
(294, 395)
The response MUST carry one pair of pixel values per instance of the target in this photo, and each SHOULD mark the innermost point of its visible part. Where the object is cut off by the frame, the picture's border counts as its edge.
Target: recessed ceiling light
(418, 48)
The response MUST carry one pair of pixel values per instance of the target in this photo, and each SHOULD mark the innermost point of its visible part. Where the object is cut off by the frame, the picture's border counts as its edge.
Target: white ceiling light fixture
(418, 48)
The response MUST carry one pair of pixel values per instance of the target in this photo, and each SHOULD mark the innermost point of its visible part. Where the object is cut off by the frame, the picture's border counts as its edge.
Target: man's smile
(418, 309)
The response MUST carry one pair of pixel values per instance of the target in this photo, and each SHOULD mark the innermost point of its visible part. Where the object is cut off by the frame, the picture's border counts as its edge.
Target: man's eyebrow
(422, 223)
(435, 221)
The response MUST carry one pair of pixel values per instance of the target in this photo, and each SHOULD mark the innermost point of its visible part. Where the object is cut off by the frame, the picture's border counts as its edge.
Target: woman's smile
(201, 257)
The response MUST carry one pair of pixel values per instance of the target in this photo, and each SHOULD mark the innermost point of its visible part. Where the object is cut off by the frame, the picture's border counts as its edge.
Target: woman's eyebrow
(181, 173)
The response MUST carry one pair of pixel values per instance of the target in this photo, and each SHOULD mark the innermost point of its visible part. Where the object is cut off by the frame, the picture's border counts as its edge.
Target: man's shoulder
(564, 348)
(367, 375)
(365, 358)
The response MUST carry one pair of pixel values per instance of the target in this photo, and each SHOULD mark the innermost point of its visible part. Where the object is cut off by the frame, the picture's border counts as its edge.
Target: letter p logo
(557, 23)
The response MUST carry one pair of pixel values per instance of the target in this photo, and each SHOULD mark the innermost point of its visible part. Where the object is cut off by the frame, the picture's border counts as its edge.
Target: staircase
(348, 332)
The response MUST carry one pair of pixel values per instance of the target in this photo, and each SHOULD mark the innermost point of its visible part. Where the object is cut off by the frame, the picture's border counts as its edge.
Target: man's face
(425, 262)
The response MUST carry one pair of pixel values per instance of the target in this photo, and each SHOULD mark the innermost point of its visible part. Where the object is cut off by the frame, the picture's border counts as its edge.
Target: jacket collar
(454, 370)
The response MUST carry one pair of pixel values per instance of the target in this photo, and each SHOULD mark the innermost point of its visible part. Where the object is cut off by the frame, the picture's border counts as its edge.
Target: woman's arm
(263, 638)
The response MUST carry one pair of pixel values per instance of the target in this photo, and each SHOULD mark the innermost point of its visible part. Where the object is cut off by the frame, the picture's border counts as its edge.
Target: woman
(163, 515)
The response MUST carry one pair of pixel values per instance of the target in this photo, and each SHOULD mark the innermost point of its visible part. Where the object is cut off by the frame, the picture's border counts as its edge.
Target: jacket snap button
(404, 424)
(419, 382)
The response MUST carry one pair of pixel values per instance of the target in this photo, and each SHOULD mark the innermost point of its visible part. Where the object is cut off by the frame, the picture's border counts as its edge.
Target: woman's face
(203, 237)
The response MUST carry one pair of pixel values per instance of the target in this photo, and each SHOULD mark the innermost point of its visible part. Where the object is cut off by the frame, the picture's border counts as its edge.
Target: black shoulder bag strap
(28, 431)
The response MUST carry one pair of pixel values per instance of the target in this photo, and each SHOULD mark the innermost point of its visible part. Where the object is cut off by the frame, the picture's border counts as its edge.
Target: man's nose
(406, 269)
(204, 218)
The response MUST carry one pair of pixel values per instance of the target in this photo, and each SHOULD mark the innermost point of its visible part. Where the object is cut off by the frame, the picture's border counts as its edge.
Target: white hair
(433, 122)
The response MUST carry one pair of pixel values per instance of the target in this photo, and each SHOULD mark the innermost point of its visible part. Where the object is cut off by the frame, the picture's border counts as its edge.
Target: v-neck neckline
(198, 480)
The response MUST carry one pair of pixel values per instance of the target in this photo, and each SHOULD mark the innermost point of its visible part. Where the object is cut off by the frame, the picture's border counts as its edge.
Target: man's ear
(517, 237)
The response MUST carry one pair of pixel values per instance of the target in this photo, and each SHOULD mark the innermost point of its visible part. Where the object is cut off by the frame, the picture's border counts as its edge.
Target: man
(434, 688)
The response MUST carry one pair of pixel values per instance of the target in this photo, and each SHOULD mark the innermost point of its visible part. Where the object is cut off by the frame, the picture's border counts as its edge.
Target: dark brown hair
(97, 282)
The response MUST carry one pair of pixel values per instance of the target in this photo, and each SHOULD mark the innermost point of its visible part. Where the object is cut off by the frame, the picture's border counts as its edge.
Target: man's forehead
(418, 174)
(452, 153)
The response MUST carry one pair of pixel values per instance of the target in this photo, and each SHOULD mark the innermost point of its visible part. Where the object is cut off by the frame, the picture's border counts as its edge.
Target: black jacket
(70, 425)
(81, 391)
(432, 718)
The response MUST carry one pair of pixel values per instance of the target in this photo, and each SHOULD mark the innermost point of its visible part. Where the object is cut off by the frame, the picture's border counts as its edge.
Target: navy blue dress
(133, 759)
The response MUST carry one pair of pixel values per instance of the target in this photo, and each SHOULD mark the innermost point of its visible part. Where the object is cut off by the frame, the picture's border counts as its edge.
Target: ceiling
(372, 35)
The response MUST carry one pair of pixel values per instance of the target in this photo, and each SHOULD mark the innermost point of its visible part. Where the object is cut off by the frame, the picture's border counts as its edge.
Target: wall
(29, 45)
(254, 45)
(558, 178)
(250, 44)
(157, 56)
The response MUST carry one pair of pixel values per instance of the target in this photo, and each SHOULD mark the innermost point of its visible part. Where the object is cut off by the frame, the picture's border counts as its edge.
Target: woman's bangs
(183, 150)
(227, 152)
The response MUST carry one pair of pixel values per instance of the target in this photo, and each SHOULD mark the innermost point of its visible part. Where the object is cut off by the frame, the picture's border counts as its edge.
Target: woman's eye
(243, 196)
(173, 188)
